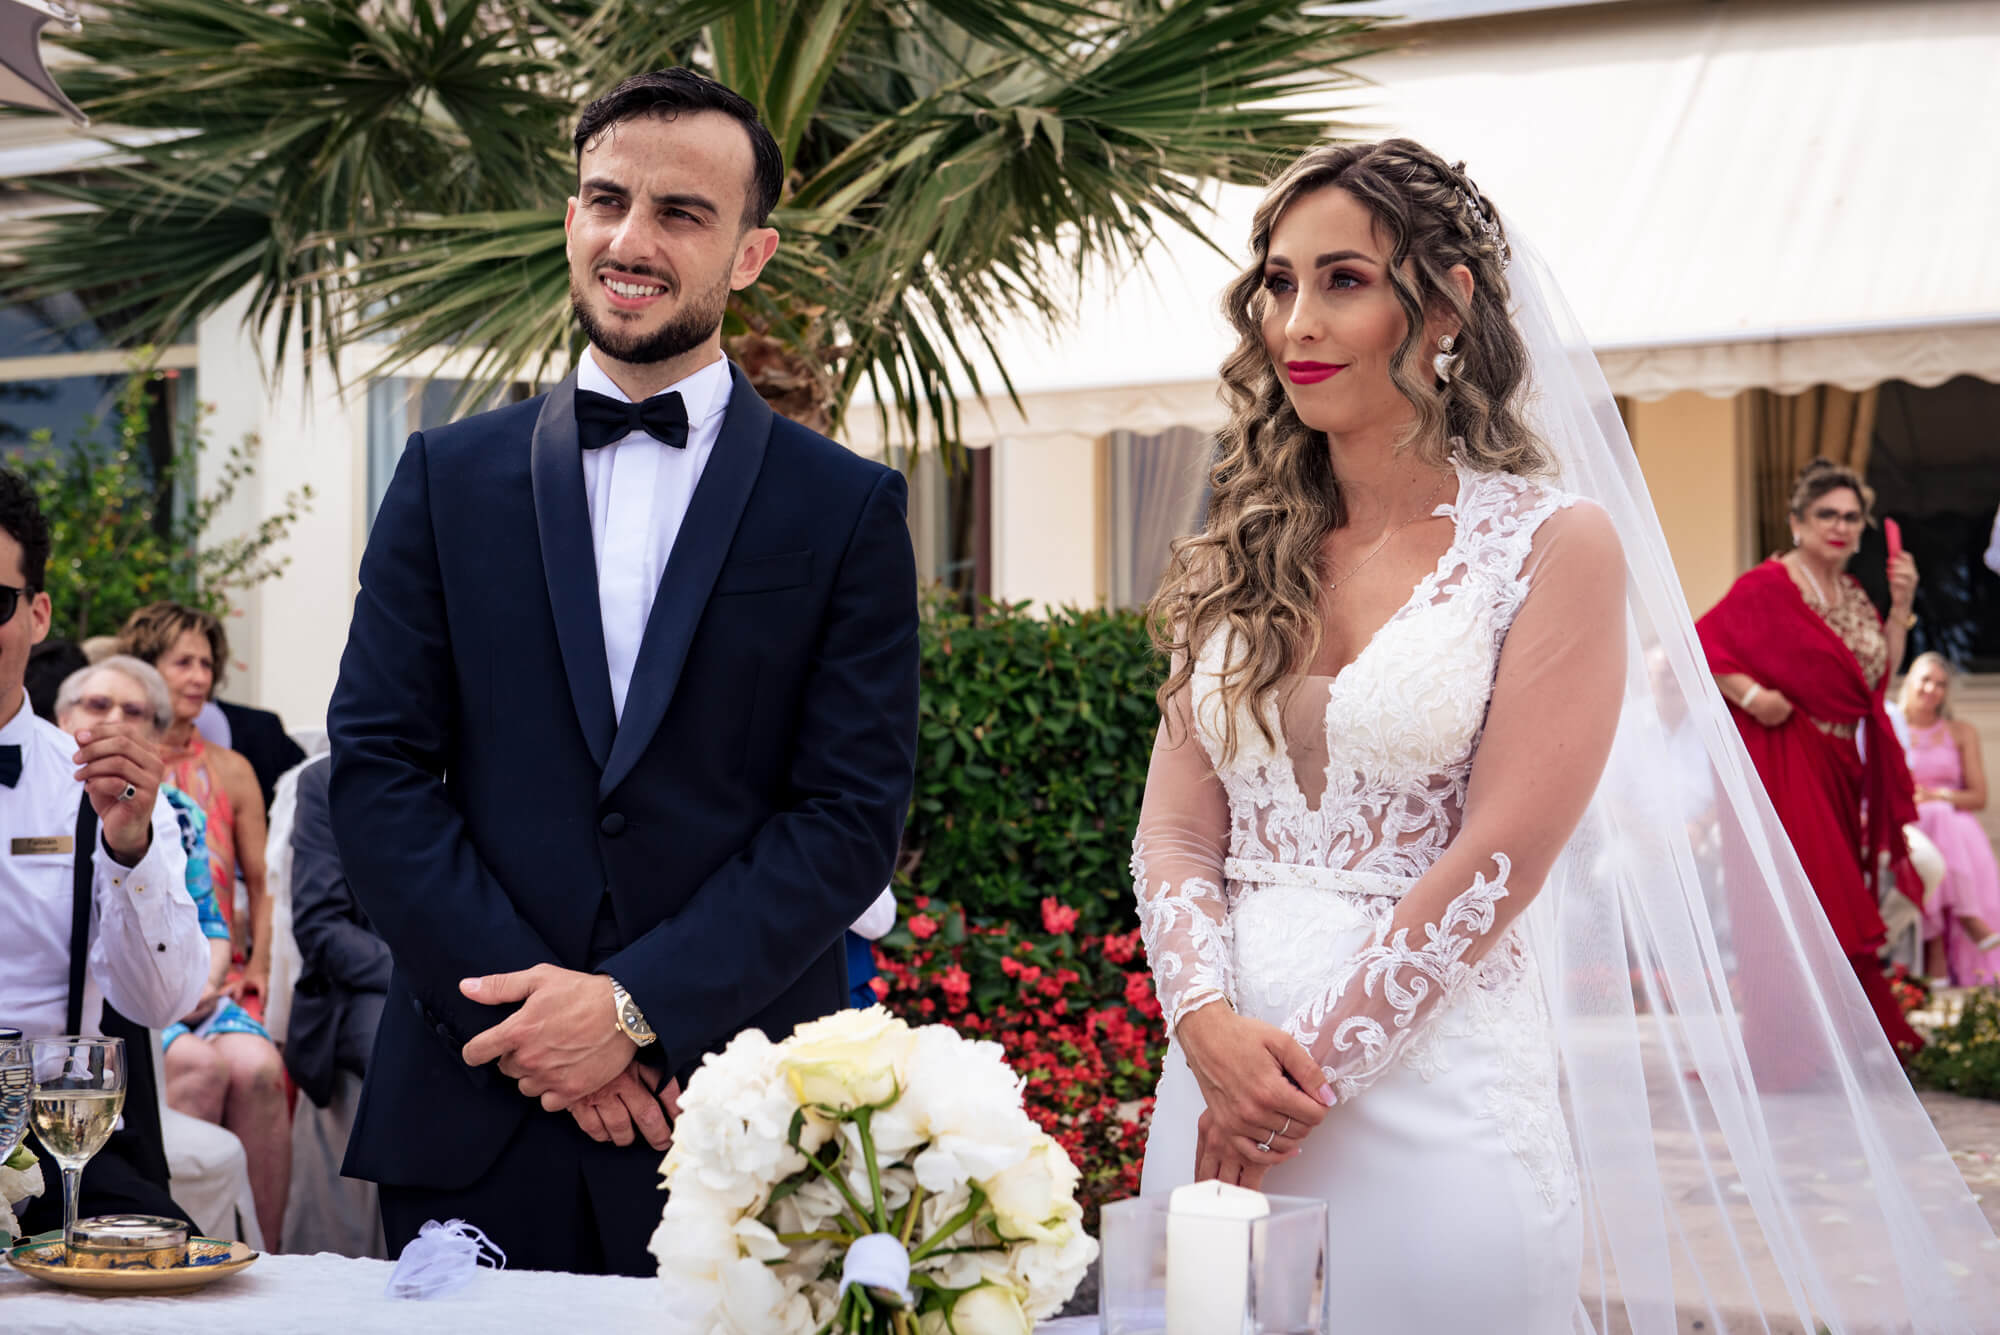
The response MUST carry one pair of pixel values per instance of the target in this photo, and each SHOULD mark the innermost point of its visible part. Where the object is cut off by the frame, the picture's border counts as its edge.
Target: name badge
(48, 843)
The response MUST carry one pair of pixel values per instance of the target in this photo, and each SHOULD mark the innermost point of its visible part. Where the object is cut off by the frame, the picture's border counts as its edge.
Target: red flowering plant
(1912, 991)
(1075, 1014)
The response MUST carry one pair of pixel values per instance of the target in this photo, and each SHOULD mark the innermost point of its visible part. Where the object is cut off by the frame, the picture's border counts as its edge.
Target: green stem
(823, 1235)
(910, 1214)
(840, 1184)
(949, 1227)
(861, 1119)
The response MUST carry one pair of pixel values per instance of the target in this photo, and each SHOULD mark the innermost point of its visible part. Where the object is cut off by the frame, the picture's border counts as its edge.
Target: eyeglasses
(1826, 515)
(104, 704)
(10, 598)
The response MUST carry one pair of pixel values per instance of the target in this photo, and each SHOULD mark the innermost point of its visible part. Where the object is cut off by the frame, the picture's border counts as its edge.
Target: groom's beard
(689, 327)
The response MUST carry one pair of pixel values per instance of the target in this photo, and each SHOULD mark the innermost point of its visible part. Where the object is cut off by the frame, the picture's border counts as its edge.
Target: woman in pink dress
(1951, 785)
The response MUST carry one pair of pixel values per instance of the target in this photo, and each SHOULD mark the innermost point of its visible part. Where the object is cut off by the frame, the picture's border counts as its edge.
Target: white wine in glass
(79, 1092)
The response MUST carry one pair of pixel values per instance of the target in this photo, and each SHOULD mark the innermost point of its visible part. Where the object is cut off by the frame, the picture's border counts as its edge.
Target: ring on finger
(129, 793)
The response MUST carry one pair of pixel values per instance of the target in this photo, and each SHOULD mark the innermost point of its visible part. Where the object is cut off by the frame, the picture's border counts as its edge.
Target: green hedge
(1031, 761)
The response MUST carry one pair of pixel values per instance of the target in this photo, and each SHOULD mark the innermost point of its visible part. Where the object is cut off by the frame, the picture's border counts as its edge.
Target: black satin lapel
(703, 540)
(569, 561)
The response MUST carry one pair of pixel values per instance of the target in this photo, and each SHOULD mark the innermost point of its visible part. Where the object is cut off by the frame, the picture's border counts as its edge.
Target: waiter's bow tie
(10, 766)
(602, 420)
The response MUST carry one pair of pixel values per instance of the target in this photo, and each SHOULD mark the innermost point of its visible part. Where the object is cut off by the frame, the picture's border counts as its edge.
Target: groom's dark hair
(671, 92)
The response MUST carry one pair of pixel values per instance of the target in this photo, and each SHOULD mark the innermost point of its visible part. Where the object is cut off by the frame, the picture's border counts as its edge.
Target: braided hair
(1273, 493)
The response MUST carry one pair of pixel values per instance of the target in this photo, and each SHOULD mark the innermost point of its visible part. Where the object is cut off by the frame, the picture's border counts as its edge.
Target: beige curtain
(1787, 432)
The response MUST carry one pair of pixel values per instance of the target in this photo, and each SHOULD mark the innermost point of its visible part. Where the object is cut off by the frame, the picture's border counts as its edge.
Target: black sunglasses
(10, 598)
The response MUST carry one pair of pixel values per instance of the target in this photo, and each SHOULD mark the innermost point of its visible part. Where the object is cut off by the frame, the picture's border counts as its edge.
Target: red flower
(955, 980)
(1057, 918)
(922, 926)
(1120, 949)
(880, 987)
(1138, 989)
(923, 901)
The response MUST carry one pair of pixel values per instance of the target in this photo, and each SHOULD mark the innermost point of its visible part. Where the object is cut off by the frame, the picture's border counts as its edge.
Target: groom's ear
(753, 251)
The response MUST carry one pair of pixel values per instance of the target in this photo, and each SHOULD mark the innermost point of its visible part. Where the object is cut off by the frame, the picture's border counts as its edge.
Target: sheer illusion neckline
(1424, 592)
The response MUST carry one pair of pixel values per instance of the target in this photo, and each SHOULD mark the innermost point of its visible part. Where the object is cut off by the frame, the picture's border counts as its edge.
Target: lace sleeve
(1177, 871)
(1549, 727)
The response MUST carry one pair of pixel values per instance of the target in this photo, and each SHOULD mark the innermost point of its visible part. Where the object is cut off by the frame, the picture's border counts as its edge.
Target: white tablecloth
(311, 1295)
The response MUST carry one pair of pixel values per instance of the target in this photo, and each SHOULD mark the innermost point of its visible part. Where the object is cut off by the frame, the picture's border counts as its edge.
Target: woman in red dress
(1803, 659)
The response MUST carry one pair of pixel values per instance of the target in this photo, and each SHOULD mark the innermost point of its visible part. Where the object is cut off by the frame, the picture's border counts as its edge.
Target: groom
(626, 724)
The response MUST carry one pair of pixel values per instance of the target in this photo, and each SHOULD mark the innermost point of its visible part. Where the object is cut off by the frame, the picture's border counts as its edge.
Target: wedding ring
(1265, 1144)
(129, 793)
(1287, 1127)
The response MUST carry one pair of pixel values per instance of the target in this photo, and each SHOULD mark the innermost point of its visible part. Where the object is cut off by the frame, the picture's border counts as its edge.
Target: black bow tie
(601, 419)
(10, 766)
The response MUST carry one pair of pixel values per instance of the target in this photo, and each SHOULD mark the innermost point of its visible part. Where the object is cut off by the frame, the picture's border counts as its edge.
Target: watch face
(633, 1020)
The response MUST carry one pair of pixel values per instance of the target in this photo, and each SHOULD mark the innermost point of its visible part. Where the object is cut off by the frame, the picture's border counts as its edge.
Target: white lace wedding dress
(1356, 885)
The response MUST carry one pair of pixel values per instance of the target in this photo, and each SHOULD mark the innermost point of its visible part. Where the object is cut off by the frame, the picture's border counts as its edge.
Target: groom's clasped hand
(559, 1048)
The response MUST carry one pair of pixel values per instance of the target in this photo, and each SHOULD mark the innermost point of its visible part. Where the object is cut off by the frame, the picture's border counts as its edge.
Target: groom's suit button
(613, 825)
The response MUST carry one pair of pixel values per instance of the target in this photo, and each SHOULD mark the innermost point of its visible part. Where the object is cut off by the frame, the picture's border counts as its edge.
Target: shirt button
(613, 825)
(162, 947)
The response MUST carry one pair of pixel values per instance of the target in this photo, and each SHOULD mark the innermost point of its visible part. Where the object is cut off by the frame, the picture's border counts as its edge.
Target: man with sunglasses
(94, 907)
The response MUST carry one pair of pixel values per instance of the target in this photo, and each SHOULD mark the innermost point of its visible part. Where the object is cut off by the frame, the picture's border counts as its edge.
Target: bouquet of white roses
(864, 1176)
(20, 1181)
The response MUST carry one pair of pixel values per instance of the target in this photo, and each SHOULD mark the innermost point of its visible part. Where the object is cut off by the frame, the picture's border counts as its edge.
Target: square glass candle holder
(1172, 1273)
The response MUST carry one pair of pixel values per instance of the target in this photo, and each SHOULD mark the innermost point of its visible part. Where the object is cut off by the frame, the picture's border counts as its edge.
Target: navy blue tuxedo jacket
(745, 809)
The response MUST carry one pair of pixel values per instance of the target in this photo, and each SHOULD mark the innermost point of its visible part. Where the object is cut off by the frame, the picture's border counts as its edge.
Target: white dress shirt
(147, 953)
(639, 491)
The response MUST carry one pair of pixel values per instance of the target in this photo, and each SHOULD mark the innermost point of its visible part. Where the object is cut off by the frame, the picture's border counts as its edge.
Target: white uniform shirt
(639, 491)
(147, 953)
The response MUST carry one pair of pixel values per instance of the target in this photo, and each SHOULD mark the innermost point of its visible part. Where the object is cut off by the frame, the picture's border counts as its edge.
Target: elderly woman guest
(189, 648)
(1950, 775)
(221, 1065)
(1803, 659)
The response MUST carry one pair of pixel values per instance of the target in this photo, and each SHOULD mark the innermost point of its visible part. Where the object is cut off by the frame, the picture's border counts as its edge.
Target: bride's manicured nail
(1326, 1095)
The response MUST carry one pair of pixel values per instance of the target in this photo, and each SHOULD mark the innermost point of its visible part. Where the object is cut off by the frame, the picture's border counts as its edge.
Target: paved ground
(1837, 1193)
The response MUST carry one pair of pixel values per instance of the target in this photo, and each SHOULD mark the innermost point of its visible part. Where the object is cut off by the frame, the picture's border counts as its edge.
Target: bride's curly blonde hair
(1273, 496)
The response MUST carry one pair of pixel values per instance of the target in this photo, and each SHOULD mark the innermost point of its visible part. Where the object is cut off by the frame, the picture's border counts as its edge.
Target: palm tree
(388, 177)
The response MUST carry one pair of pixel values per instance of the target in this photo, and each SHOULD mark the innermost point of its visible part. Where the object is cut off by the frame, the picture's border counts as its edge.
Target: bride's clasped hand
(1253, 1077)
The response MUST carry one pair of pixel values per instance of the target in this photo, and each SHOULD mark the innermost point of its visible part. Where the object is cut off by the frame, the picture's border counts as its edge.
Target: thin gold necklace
(1423, 511)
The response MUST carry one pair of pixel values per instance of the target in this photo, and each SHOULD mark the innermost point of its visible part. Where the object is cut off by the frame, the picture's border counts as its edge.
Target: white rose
(17, 1185)
(988, 1310)
(849, 1059)
(757, 1302)
(1027, 1196)
(965, 1098)
(1050, 1271)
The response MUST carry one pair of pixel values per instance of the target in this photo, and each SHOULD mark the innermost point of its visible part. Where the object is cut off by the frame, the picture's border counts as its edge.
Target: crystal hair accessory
(1487, 225)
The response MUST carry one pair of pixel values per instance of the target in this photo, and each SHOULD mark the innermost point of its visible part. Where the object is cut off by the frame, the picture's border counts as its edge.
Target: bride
(1451, 873)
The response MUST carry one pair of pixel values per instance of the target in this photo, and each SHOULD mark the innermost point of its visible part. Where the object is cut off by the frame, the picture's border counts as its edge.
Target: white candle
(1208, 1257)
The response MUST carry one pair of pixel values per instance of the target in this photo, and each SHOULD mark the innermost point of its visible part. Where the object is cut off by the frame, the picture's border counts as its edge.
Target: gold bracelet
(1908, 620)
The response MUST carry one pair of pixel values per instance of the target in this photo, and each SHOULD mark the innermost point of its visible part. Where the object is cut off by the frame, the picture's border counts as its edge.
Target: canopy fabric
(1761, 194)
(24, 79)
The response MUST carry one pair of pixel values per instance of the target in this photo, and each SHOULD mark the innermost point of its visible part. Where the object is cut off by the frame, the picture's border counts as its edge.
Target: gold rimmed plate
(209, 1259)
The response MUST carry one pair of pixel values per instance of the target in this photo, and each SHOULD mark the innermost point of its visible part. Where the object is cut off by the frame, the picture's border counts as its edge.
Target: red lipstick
(1311, 373)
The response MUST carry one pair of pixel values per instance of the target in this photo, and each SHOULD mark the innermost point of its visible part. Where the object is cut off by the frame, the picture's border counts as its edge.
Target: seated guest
(1950, 774)
(85, 829)
(221, 1065)
(338, 1002)
(259, 736)
(190, 650)
(49, 665)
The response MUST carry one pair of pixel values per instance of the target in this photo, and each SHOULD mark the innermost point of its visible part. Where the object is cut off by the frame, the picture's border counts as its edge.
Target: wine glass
(79, 1092)
(17, 1082)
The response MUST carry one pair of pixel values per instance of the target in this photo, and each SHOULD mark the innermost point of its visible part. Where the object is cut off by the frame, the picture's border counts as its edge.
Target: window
(1158, 492)
(399, 405)
(951, 513)
(1935, 466)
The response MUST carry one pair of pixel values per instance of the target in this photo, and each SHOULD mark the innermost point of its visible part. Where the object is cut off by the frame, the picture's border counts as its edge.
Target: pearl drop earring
(1445, 363)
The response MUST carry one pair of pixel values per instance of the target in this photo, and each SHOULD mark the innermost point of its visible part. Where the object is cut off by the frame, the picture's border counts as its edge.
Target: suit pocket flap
(763, 574)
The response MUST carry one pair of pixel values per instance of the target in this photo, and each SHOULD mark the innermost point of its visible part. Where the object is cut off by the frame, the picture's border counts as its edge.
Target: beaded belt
(1844, 731)
(1252, 872)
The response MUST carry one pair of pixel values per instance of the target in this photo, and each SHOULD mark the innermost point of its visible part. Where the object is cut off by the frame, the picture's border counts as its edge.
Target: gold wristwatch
(631, 1022)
